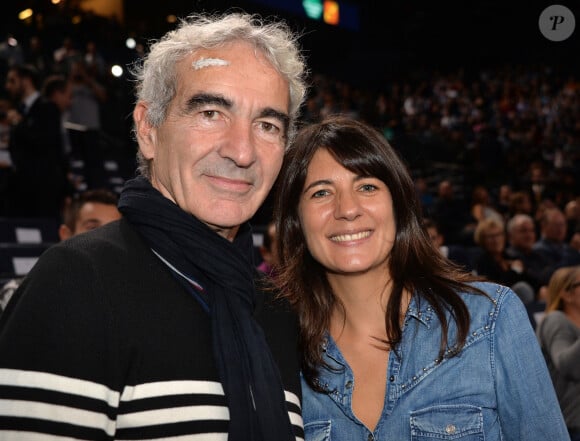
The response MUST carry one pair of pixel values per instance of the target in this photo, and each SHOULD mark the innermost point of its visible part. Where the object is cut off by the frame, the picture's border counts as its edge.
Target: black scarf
(249, 375)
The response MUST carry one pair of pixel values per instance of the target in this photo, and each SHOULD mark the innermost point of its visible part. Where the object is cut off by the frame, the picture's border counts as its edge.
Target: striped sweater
(102, 342)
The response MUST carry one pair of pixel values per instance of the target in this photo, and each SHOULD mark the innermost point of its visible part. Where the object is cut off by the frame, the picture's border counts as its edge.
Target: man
(85, 212)
(37, 186)
(552, 243)
(521, 231)
(451, 215)
(458, 254)
(57, 89)
(157, 331)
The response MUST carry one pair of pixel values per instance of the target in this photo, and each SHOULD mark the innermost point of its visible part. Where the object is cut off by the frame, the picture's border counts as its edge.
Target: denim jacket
(496, 388)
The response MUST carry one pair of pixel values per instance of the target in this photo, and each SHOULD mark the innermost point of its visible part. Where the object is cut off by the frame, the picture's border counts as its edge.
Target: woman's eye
(368, 187)
(319, 193)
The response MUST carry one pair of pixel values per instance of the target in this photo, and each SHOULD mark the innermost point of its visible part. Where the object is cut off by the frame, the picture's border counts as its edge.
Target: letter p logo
(557, 23)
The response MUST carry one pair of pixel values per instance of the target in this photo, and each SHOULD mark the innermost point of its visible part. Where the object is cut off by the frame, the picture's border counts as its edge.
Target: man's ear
(64, 232)
(144, 131)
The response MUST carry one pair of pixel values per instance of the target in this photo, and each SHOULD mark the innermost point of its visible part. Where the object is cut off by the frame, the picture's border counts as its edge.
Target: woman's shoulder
(490, 300)
(555, 318)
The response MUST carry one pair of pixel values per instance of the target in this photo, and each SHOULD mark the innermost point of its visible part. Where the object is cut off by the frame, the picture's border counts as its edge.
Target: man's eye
(269, 127)
(210, 114)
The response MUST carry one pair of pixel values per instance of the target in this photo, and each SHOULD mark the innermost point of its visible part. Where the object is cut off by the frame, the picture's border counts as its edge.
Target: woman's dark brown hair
(415, 264)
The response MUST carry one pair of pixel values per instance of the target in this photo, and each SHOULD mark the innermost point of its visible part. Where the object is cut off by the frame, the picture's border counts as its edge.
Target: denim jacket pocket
(454, 422)
(317, 431)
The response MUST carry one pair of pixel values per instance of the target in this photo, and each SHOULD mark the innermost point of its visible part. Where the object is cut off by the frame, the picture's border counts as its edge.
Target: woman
(481, 205)
(494, 264)
(559, 335)
(397, 342)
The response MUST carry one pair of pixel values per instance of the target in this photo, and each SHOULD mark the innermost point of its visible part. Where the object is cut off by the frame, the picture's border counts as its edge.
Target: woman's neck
(364, 298)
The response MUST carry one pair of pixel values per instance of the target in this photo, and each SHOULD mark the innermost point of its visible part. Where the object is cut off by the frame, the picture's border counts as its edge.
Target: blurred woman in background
(559, 335)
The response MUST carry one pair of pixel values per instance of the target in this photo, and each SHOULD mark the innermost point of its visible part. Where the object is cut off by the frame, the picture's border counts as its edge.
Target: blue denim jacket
(497, 388)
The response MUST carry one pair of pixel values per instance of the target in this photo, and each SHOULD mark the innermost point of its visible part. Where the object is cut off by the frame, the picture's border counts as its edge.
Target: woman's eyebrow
(316, 183)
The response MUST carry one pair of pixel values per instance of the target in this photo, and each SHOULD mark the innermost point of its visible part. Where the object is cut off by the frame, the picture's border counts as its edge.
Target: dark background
(395, 37)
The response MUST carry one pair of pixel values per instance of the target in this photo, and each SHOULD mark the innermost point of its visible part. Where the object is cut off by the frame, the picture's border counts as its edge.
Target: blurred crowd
(481, 144)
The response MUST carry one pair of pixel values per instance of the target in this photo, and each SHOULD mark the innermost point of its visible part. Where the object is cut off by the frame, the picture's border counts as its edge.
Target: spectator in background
(552, 243)
(64, 56)
(521, 232)
(457, 254)
(38, 183)
(572, 214)
(482, 206)
(425, 197)
(520, 203)
(57, 89)
(503, 200)
(35, 54)
(559, 336)
(94, 61)
(538, 184)
(269, 250)
(85, 212)
(575, 241)
(88, 96)
(452, 216)
(495, 264)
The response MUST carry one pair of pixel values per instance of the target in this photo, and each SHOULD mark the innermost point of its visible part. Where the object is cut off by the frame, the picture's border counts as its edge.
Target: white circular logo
(557, 23)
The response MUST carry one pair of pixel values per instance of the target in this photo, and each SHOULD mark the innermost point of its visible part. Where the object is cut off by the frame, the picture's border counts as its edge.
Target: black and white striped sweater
(101, 342)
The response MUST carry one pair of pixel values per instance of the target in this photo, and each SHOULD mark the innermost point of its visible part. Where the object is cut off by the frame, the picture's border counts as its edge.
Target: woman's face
(494, 239)
(347, 219)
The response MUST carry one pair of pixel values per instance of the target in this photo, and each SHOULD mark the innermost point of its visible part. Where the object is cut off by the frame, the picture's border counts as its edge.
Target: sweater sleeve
(57, 340)
(560, 340)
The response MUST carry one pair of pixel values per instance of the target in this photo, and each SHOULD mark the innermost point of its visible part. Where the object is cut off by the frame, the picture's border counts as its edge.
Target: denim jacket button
(450, 429)
(348, 384)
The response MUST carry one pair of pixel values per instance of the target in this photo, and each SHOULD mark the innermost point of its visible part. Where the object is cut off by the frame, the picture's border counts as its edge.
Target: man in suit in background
(37, 184)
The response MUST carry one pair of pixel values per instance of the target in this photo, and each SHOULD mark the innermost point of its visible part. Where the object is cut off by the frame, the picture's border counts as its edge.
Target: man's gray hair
(517, 220)
(156, 76)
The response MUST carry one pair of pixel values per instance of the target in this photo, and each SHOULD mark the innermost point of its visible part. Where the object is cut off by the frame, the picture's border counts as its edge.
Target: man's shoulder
(114, 245)
(118, 234)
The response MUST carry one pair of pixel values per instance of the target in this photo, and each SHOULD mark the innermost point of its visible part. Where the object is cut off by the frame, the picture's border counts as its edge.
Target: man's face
(90, 216)
(95, 214)
(523, 235)
(555, 227)
(220, 148)
(14, 85)
(63, 98)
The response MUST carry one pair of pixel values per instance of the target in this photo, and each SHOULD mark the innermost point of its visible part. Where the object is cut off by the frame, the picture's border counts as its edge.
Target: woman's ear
(144, 131)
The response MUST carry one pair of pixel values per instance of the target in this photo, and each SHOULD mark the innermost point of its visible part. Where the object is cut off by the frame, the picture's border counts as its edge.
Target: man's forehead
(202, 62)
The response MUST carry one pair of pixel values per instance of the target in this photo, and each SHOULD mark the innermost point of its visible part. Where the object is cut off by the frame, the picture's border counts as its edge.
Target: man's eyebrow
(203, 99)
(268, 112)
